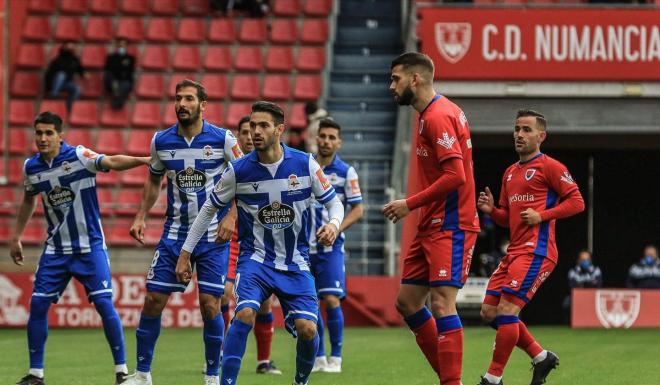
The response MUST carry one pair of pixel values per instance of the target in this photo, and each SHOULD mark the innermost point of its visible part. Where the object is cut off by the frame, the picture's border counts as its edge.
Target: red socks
(527, 342)
(506, 339)
(423, 326)
(263, 332)
(450, 349)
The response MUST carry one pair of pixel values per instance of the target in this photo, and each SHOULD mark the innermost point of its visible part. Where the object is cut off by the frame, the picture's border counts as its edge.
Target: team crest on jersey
(453, 40)
(293, 182)
(61, 198)
(66, 167)
(208, 152)
(323, 179)
(446, 141)
(276, 216)
(529, 174)
(190, 180)
(567, 178)
(617, 309)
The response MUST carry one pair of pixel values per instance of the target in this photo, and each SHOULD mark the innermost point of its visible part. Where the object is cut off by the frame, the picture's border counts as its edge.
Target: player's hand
(531, 217)
(137, 230)
(16, 252)
(226, 229)
(327, 234)
(183, 267)
(396, 210)
(486, 203)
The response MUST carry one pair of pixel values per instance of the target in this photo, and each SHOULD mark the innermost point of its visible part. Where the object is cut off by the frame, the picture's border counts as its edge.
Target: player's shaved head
(541, 122)
(415, 62)
(270, 108)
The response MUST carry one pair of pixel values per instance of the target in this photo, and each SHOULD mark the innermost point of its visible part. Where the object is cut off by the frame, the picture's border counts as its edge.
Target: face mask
(649, 260)
(585, 264)
(121, 51)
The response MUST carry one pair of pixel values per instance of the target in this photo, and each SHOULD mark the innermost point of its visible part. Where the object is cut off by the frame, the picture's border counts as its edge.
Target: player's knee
(39, 308)
(246, 315)
(405, 307)
(507, 308)
(154, 303)
(266, 307)
(488, 313)
(332, 301)
(209, 308)
(306, 329)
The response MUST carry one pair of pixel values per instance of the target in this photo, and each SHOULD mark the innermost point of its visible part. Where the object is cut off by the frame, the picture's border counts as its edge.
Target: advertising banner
(615, 308)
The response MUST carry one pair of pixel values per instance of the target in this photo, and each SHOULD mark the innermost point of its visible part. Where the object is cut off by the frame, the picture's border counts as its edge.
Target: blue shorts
(92, 270)
(209, 259)
(256, 282)
(329, 272)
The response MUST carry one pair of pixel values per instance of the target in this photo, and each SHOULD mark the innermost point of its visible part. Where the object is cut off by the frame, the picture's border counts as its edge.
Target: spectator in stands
(61, 72)
(118, 74)
(645, 274)
(585, 273)
(254, 8)
(314, 116)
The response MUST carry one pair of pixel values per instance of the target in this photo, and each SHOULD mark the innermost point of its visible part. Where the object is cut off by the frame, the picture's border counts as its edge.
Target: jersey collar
(285, 150)
(531, 160)
(435, 98)
(64, 147)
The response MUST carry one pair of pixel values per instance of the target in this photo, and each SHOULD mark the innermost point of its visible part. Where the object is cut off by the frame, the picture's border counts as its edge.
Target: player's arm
(25, 212)
(222, 195)
(228, 223)
(150, 193)
(325, 194)
(353, 198)
(571, 204)
(122, 162)
(486, 203)
(570, 199)
(354, 214)
(451, 178)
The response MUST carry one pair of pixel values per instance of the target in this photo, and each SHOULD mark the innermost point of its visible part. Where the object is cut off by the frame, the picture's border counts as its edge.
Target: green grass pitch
(371, 357)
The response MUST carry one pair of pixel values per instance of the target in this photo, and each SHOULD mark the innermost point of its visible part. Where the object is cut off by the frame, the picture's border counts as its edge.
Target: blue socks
(112, 328)
(234, 350)
(37, 330)
(336, 330)
(320, 352)
(306, 354)
(214, 330)
(147, 335)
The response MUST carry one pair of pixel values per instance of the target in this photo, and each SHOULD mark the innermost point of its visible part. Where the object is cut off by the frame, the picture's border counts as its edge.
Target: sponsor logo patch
(276, 216)
(61, 198)
(190, 180)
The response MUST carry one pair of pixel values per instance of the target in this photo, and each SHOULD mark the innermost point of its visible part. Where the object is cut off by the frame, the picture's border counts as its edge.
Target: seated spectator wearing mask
(645, 274)
(118, 75)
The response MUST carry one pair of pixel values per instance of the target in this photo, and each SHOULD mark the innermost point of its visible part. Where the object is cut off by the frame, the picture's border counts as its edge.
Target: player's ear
(202, 105)
(543, 135)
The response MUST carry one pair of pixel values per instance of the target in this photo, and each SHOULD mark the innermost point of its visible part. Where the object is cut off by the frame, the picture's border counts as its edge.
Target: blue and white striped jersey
(344, 179)
(274, 209)
(192, 169)
(68, 189)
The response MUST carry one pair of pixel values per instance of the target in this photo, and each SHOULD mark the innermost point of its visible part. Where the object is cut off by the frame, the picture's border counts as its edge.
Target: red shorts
(233, 257)
(517, 278)
(440, 258)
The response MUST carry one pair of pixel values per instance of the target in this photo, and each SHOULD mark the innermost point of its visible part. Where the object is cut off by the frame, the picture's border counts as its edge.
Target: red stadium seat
(118, 234)
(150, 86)
(146, 114)
(134, 7)
(253, 31)
(297, 117)
(236, 111)
(191, 30)
(42, 6)
(153, 229)
(160, 29)
(84, 114)
(21, 112)
(248, 59)
(318, 8)
(214, 114)
(169, 118)
(155, 57)
(222, 31)
(310, 59)
(130, 28)
(106, 200)
(31, 56)
(92, 86)
(15, 172)
(79, 136)
(68, 28)
(8, 202)
(99, 29)
(217, 59)
(57, 107)
(19, 144)
(25, 84)
(36, 28)
(279, 59)
(314, 31)
(35, 232)
(165, 7)
(110, 141)
(308, 87)
(245, 87)
(283, 31)
(186, 58)
(5, 226)
(129, 201)
(73, 6)
(103, 7)
(276, 87)
(93, 56)
(114, 118)
(139, 142)
(195, 7)
(176, 78)
(107, 178)
(287, 8)
(216, 86)
(135, 176)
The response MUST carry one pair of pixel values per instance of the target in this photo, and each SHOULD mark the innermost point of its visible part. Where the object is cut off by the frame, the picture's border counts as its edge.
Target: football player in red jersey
(439, 258)
(536, 191)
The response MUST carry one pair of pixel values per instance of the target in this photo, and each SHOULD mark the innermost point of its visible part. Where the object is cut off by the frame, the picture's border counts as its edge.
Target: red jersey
(540, 183)
(444, 133)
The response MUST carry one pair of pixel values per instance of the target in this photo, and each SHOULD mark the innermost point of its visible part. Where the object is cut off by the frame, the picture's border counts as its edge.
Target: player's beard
(193, 116)
(406, 97)
(265, 142)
